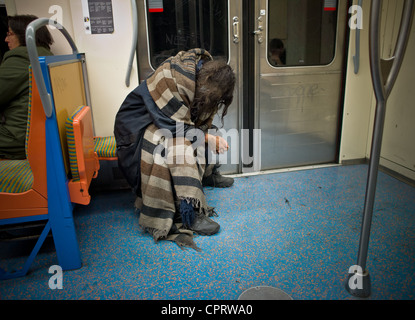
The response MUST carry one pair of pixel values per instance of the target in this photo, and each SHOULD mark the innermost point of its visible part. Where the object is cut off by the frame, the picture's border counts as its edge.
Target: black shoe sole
(207, 233)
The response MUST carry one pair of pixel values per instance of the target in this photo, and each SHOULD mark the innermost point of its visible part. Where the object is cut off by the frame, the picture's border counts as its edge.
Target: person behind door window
(277, 53)
(14, 85)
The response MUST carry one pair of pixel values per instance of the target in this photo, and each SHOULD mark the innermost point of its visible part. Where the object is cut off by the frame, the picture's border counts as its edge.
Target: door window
(301, 32)
(176, 25)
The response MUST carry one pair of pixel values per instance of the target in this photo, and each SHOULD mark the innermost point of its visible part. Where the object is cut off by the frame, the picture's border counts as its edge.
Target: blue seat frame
(59, 219)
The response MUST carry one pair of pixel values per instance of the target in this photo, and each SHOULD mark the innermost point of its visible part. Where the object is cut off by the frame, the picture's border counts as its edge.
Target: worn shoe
(204, 226)
(216, 180)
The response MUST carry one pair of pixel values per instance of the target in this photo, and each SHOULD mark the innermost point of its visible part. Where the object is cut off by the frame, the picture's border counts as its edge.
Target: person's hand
(217, 144)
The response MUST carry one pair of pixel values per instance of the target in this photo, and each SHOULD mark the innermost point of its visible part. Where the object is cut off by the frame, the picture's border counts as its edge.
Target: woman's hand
(217, 144)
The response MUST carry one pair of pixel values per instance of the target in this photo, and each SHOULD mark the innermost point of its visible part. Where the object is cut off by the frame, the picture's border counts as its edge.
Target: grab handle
(134, 43)
(34, 57)
(383, 87)
(235, 30)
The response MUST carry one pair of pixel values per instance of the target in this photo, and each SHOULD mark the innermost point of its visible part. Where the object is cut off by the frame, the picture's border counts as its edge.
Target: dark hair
(18, 25)
(276, 44)
(215, 84)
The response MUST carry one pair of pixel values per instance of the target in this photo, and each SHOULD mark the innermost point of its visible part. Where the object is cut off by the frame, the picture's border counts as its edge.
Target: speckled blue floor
(297, 231)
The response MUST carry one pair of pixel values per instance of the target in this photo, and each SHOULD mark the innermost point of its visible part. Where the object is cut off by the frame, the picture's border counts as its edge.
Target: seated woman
(159, 122)
(14, 85)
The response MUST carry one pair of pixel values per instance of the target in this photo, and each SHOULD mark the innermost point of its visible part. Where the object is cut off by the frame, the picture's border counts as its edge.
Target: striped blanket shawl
(169, 182)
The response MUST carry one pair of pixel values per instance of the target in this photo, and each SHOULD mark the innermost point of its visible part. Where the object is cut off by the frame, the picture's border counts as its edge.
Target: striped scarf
(172, 184)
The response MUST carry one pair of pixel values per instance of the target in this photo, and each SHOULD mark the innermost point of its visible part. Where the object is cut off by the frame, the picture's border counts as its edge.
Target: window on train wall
(301, 32)
(176, 25)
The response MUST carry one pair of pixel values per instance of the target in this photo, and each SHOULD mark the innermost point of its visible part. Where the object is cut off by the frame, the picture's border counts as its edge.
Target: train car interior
(320, 130)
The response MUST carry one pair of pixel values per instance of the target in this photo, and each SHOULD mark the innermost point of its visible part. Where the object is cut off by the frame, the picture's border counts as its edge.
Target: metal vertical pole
(134, 43)
(358, 283)
(377, 134)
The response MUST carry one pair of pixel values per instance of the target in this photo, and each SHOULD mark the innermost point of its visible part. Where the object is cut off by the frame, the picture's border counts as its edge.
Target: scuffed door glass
(176, 25)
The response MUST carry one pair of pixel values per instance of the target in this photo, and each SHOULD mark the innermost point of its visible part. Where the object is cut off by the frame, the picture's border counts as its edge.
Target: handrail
(356, 57)
(382, 90)
(134, 42)
(34, 57)
(402, 43)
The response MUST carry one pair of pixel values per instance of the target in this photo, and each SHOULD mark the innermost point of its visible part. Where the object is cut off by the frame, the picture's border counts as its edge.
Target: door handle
(259, 31)
(260, 27)
(235, 30)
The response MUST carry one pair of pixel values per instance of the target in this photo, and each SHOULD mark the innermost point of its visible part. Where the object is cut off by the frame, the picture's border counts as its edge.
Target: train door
(299, 49)
(284, 113)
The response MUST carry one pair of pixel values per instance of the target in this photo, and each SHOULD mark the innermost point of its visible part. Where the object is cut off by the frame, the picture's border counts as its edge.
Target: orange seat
(41, 192)
(51, 195)
(83, 159)
(106, 148)
(33, 202)
(37, 204)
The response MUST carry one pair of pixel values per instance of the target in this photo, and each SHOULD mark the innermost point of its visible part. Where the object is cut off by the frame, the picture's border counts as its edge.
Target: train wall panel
(398, 151)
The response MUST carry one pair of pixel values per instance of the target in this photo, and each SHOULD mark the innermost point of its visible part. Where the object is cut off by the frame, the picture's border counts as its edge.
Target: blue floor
(297, 231)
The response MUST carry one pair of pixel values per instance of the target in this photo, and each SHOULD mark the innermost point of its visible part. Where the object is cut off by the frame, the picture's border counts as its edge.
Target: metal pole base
(358, 284)
(264, 293)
